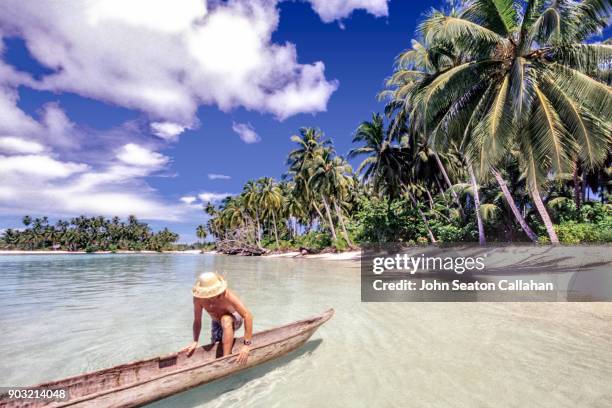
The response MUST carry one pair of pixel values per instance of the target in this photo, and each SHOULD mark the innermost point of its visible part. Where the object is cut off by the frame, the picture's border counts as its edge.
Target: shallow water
(62, 315)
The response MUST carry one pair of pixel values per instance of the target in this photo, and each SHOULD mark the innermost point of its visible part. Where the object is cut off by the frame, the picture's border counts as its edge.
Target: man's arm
(244, 312)
(197, 327)
(197, 320)
(243, 354)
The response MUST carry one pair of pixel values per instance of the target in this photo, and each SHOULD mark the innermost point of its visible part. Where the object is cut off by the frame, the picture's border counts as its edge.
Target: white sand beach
(61, 252)
(339, 256)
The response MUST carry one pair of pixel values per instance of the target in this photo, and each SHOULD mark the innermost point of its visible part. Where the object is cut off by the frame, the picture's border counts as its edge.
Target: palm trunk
(258, 228)
(289, 225)
(445, 175)
(321, 217)
(517, 214)
(576, 186)
(275, 230)
(440, 187)
(329, 217)
(481, 234)
(537, 200)
(416, 205)
(339, 213)
(430, 198)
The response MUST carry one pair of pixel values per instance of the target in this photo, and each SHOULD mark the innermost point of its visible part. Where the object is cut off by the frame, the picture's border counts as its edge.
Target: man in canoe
(227, 311)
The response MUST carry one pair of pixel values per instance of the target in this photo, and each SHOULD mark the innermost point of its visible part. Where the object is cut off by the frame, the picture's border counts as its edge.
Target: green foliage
(449, 233)
(379, 221)
(543, 240)
(580, 233)
(314, 240)
(504, 88)
(422, 241)
(596, 213)
(88, 234)
(340, 244)
(591, 224)
(564, 210)
(283, 245)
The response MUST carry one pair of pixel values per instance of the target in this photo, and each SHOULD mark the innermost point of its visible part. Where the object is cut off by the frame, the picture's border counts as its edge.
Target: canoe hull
(179, 382)
(142, 382)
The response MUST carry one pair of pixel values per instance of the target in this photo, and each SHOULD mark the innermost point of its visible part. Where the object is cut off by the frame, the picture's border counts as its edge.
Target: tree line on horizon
(87, 234)
(497, 126)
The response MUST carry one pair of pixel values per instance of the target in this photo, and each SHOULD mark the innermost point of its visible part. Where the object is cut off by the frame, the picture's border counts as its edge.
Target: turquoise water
(62, 315)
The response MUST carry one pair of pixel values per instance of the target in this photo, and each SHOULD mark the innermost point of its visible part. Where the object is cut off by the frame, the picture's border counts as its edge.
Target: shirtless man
(227, 311)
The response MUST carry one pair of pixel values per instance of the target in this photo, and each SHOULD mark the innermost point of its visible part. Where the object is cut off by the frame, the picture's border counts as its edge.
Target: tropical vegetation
(497, 126)
(87, 234)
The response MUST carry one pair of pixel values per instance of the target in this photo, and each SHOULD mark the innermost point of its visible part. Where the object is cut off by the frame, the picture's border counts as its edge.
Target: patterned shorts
(217, 329)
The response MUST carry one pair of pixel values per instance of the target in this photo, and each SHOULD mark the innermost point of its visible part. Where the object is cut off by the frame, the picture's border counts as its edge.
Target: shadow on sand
(208, 392)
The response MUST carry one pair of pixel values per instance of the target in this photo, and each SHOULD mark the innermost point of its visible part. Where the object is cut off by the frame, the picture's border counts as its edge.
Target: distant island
(89, 234)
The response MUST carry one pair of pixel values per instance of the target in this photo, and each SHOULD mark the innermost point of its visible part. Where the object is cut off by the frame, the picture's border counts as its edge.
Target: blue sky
(152, 107)
(77, 138)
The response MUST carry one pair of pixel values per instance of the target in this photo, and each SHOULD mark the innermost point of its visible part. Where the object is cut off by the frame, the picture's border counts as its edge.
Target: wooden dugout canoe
(141, 382)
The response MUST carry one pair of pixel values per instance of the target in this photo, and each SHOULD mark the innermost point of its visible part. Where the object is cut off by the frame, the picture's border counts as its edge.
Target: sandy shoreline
(46, 252)
(341, 256)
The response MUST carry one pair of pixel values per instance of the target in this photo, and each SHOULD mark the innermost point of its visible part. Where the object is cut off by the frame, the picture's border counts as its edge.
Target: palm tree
(331, 180)
(201, 232)
(523, 80)
(310, 142)
(477, 208)
(293, 210)
(270, 201)
(88, 232)
(252, 196)
(27, 220)
(384, 162)
(390, 169)
(415, 66)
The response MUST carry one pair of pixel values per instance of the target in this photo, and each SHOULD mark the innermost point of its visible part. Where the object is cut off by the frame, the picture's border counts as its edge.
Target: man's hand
(190, 348)
(243, 355)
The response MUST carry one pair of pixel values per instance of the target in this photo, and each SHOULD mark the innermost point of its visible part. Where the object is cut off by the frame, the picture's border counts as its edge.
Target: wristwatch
(247, 342)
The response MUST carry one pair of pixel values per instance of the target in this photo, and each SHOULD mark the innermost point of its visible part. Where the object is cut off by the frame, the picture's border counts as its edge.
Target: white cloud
(14, 121)
(94, 182)
(167, 130)
(9, 144)
(213, 176)
(172, 17)
(67, 189)
(109, 177)
(118, 203)
(167, 58)
(139, 156)
(246, 132)
(40, 166)
(188, 199)
(330, 10)
(213, 197)
(162, 58)
(59, 129)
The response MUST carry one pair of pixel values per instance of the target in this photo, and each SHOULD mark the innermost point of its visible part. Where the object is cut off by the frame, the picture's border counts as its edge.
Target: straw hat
(209, 284)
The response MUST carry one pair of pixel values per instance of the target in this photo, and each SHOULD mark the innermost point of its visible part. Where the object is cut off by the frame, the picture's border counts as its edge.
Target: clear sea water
(61, 315)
